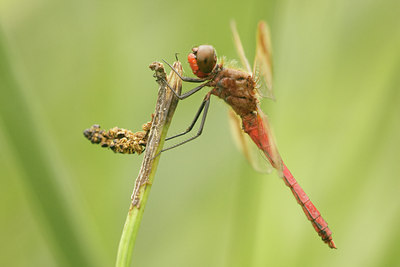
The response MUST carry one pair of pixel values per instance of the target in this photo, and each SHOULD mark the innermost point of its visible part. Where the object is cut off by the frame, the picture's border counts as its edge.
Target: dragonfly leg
(196, 117)
(206, 102)
(183, 78)
(187, 94)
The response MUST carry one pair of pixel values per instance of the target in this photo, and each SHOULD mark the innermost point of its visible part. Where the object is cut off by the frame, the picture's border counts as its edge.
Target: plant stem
(165, 107)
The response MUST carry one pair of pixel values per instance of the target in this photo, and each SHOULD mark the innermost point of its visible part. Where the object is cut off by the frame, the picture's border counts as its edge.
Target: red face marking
(202, 60)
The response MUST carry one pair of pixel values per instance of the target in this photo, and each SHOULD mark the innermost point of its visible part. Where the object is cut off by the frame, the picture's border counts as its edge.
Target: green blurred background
(65, 65)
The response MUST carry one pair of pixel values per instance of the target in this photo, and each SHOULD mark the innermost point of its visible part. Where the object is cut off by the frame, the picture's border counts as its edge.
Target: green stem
(165, 108)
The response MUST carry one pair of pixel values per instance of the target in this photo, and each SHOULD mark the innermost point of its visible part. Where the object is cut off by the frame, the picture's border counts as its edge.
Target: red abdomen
(255, 127)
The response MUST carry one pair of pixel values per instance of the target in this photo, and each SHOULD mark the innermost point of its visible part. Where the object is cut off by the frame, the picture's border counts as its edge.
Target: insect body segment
(241, 91)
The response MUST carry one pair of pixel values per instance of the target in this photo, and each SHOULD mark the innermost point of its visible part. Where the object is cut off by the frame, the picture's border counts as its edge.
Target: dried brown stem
(165, 107)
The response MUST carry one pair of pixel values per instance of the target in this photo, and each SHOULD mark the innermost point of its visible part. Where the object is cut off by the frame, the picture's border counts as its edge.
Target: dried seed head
(120, 140)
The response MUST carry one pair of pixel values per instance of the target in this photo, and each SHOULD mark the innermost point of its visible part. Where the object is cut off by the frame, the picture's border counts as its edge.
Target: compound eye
(206, 58)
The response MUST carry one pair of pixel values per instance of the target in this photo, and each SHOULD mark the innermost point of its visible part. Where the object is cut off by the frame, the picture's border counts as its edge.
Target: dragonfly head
(202, 60)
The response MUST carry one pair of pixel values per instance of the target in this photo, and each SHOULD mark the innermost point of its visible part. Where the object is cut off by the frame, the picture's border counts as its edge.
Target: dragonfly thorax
(237, 89)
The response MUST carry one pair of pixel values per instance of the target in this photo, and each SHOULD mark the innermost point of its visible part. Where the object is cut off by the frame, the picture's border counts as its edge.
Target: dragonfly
(242, 90)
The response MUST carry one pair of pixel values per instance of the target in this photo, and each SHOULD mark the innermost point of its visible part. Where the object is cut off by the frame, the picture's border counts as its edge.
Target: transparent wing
(239, 48)
(251, 152)
(263, 61)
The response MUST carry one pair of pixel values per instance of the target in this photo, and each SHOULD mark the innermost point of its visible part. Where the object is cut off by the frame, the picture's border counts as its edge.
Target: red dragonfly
(241, 90)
